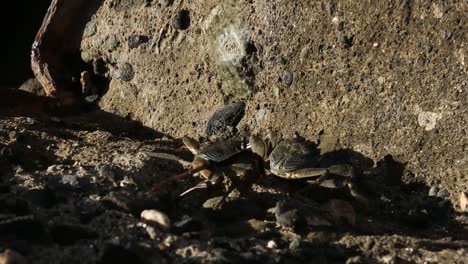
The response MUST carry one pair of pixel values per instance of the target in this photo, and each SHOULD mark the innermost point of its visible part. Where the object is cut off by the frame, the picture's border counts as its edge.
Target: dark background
(19, 23)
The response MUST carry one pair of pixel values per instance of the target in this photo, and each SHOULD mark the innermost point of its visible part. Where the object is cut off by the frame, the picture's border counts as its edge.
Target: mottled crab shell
(220, 151)
(290, 155)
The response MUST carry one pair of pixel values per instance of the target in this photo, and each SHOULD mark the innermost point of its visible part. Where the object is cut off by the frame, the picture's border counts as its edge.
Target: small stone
(212, 203)
(272, 244)
(165, 3)
(106, 171)
(181, 20)
(321, 237)
(12, 257)
(288, 78)
(443, 193)
(124, 72)
(295, 244)
(33, 86)
(70, 180)
(257, 225)
(304, 53)
(433, 191)
(286, 214)
(464, 202)
(89, 30)
(224, 120)
(151, 232)
(156, 216)
(356, 260)
(136, 40)
(375, 45)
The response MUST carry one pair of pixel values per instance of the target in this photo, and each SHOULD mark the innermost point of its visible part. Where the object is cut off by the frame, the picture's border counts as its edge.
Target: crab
(220, 161)
(293, 159)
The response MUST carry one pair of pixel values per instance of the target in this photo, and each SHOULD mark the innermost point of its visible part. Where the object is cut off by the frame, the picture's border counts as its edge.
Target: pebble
(356, 260)
(106, 171)
(443, 193)
(69, 182)
(295, 244)
(12, 257)
(272, 244)
(151, 232)
(156, 216)
(433, 191)
(124, 72)
(285, 214)
(89, 30)
(321, 237)
(181, 20)
(464, 202)
(257, 225)
(165, 3)
(33, 86)
(212, 203)
(136, 40)
(224, 120)
(288, 78)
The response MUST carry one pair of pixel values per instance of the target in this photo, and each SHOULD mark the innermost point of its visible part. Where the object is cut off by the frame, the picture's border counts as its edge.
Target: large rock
(387, 78)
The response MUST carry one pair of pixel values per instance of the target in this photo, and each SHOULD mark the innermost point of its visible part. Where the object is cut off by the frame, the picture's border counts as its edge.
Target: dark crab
(220, 161)
(293, 159)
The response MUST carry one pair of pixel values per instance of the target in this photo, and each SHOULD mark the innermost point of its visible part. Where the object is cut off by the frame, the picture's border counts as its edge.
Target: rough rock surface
(387, 78)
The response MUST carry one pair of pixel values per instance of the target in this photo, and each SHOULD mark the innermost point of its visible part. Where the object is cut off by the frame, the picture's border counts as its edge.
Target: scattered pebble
(151, 232)
(287, 78)
(212, 203)
(165, 3)
(286, 214)
(257, 225)
(321, 237)
(136, 40)
(295, 244)
(356, 260)
(33, 86)
(464, 202)
(90, 29)
(272, 244)
(443, 193)
(156, 216)
(224, 120)
(124, 72)
(181, 20)
(12, 257)
(433, 191)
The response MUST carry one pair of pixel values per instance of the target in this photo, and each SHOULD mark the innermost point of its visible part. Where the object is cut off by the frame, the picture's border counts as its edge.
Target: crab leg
(179, 176)
(302, 173)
